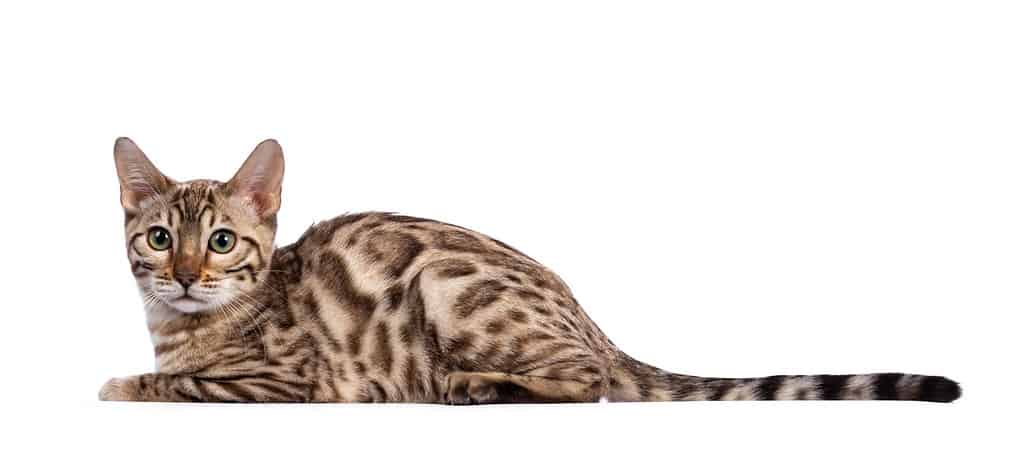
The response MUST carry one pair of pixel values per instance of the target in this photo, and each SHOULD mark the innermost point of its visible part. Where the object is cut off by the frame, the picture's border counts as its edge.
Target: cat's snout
(185, 279)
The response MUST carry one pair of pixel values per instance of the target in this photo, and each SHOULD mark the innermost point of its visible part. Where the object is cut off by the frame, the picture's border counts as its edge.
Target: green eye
(222, 241)
(159, 238)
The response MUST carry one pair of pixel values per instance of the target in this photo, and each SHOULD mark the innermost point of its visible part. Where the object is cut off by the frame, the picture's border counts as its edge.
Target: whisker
(239, 305)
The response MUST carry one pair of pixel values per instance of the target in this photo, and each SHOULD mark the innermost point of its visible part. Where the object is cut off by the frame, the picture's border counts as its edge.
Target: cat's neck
(170, 329)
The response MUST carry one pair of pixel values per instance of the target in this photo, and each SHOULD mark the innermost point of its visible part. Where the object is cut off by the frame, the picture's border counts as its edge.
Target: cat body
(379, 307)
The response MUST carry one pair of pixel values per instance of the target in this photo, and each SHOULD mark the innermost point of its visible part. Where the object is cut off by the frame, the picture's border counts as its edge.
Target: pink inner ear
(263, 203)
(137, 190)
(259, 178)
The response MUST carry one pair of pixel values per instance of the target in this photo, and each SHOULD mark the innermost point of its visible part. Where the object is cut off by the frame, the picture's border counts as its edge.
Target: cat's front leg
(157, 387)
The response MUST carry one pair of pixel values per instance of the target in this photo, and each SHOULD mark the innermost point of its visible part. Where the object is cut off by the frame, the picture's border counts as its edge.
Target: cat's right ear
(140, 179)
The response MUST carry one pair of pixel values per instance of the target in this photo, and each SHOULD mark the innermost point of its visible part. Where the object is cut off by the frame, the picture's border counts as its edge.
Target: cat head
(197, 245)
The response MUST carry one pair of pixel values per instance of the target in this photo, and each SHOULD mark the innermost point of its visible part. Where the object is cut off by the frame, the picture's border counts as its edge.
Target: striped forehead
(190, 200)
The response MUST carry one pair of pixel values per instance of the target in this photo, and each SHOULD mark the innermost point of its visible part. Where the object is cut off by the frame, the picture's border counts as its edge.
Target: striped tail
(636, 381)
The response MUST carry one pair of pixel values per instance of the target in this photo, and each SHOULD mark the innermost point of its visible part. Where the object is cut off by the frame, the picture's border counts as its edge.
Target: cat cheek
(144, 282)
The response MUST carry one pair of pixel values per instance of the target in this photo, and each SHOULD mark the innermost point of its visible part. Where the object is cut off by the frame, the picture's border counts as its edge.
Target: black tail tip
(939, 390)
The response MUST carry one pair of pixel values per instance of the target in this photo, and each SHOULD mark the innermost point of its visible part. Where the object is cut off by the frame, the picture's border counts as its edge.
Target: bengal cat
(379, 307)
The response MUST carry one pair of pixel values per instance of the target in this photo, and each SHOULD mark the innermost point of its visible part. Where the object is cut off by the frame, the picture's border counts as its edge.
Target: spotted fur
(379, 307)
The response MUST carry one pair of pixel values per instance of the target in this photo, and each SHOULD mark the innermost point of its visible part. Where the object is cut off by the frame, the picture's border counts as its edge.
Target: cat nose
(186, 280)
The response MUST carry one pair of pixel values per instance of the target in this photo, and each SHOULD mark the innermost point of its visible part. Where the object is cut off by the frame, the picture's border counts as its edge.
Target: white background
(731, 189)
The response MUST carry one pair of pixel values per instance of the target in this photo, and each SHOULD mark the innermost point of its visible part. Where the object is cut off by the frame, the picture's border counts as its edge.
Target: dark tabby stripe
(768, 387)
(831, 385)
(456, 268)
(394, 296)
(396, 249)
(255, 246)
(886, 386)
(312, 312)
(477, 296)
(333, 273)
(383, 357)
(248, 269)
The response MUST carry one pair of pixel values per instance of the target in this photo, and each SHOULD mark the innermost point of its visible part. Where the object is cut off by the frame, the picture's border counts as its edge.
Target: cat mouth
(187, 304)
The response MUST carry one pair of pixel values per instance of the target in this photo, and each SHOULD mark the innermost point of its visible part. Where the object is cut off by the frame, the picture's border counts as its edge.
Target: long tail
(633, 380)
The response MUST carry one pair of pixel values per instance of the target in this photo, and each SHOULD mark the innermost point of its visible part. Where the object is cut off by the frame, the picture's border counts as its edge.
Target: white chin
(188, 305)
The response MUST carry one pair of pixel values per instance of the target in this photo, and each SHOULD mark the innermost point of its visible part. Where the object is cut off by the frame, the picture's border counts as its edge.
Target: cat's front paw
(118, 389)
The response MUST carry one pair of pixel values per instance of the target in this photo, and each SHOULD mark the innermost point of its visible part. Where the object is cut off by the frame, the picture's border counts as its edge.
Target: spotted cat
(380, 307)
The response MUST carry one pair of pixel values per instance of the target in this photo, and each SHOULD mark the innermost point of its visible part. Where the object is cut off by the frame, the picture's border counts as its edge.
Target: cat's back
(379, 249)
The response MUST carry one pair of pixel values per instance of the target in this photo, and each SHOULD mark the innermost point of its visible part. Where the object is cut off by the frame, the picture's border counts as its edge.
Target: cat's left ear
(258, 182)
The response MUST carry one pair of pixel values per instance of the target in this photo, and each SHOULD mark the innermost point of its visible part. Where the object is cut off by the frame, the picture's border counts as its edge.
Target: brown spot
(405, 334)
(394, 248)
(459, 241)
(461, 342)
(562, 326)
(454, 268)
(383, 357)
(477, 296)
(413, 381)
(518, 316)
(353, 238)
(537, 335)
(360, 368)
(495, 327)
(394, 295)
(354, 340)
(537, 275)
(513, 279)
(541, 310)
(570, 322)
(319, 234)
(528, 294)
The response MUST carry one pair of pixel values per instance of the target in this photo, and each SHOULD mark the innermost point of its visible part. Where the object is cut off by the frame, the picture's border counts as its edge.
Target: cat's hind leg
(506, 332)
(469, 387)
